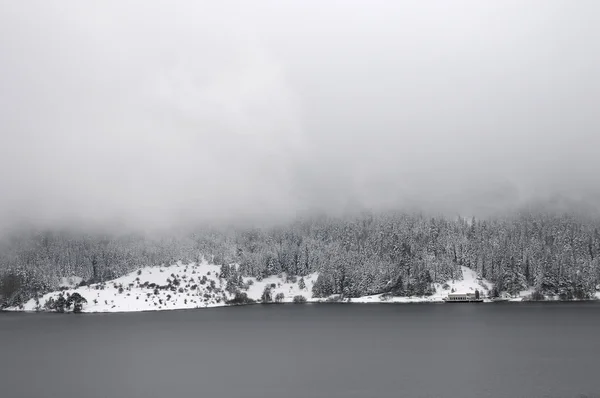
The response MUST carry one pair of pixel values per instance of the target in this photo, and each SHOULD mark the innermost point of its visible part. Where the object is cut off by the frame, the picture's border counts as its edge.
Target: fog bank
(158, 114)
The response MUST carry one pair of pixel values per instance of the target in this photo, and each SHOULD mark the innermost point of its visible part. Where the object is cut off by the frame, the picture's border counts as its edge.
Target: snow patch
(70, 282)
(282, 285)
(179, 286)
(469, 283)
(197, 285)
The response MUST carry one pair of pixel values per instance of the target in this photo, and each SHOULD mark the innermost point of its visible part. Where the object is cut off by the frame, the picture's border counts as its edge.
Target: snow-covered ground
(179, 286)
(280, 286)
(70, 282)
(197, 285)
(143, 290)
(468, 284)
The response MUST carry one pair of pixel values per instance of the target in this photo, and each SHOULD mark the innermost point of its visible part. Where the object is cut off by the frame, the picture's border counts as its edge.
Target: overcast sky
(155, 112)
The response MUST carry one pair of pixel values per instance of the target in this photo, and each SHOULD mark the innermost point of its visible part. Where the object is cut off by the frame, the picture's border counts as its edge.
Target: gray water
(328, 351)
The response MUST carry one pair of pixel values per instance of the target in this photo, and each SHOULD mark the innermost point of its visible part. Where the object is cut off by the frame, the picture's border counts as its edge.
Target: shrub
(38, 307)
(240, 298)
(273, 286)
(301, 284)
(385, 296)
(121, 290)
(299, 299)
(60, 304)
(537, 296)
(139, 272)
(50, 304)
(279, 298)
(445, 286)
(77, 300)
(180, 290)
(581, 294)
(266, 295)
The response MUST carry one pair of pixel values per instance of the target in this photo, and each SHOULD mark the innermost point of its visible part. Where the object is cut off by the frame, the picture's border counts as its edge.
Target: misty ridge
(383, 147)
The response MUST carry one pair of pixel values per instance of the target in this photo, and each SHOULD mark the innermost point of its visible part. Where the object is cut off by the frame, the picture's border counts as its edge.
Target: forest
(368, 253)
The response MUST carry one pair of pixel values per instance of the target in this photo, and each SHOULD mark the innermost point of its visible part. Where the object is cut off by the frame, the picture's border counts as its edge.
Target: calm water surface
(324, 351)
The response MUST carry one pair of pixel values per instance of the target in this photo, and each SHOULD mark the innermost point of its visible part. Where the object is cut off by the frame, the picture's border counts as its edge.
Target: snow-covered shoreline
(199, 285)
(175, 287)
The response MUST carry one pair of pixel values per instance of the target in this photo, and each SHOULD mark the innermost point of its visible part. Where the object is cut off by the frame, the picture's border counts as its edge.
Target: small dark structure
(463, 298)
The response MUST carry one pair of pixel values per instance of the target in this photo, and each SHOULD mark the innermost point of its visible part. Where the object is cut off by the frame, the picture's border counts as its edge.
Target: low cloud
(156, 114)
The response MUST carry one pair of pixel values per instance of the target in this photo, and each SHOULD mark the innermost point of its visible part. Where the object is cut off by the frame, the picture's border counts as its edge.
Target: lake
(319, 350)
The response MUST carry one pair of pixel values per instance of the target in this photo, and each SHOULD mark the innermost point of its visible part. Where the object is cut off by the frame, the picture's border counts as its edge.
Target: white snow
(70, 282)
(127, 293)
(200, 287)
(289, 289)
(469, 283)
(135, 292)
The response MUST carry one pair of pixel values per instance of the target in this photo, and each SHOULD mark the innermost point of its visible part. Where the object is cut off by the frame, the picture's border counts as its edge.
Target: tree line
(394, 253)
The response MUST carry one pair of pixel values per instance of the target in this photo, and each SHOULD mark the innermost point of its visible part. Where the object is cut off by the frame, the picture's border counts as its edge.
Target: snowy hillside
(469, 283)
(182, 286)
(178, 286)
